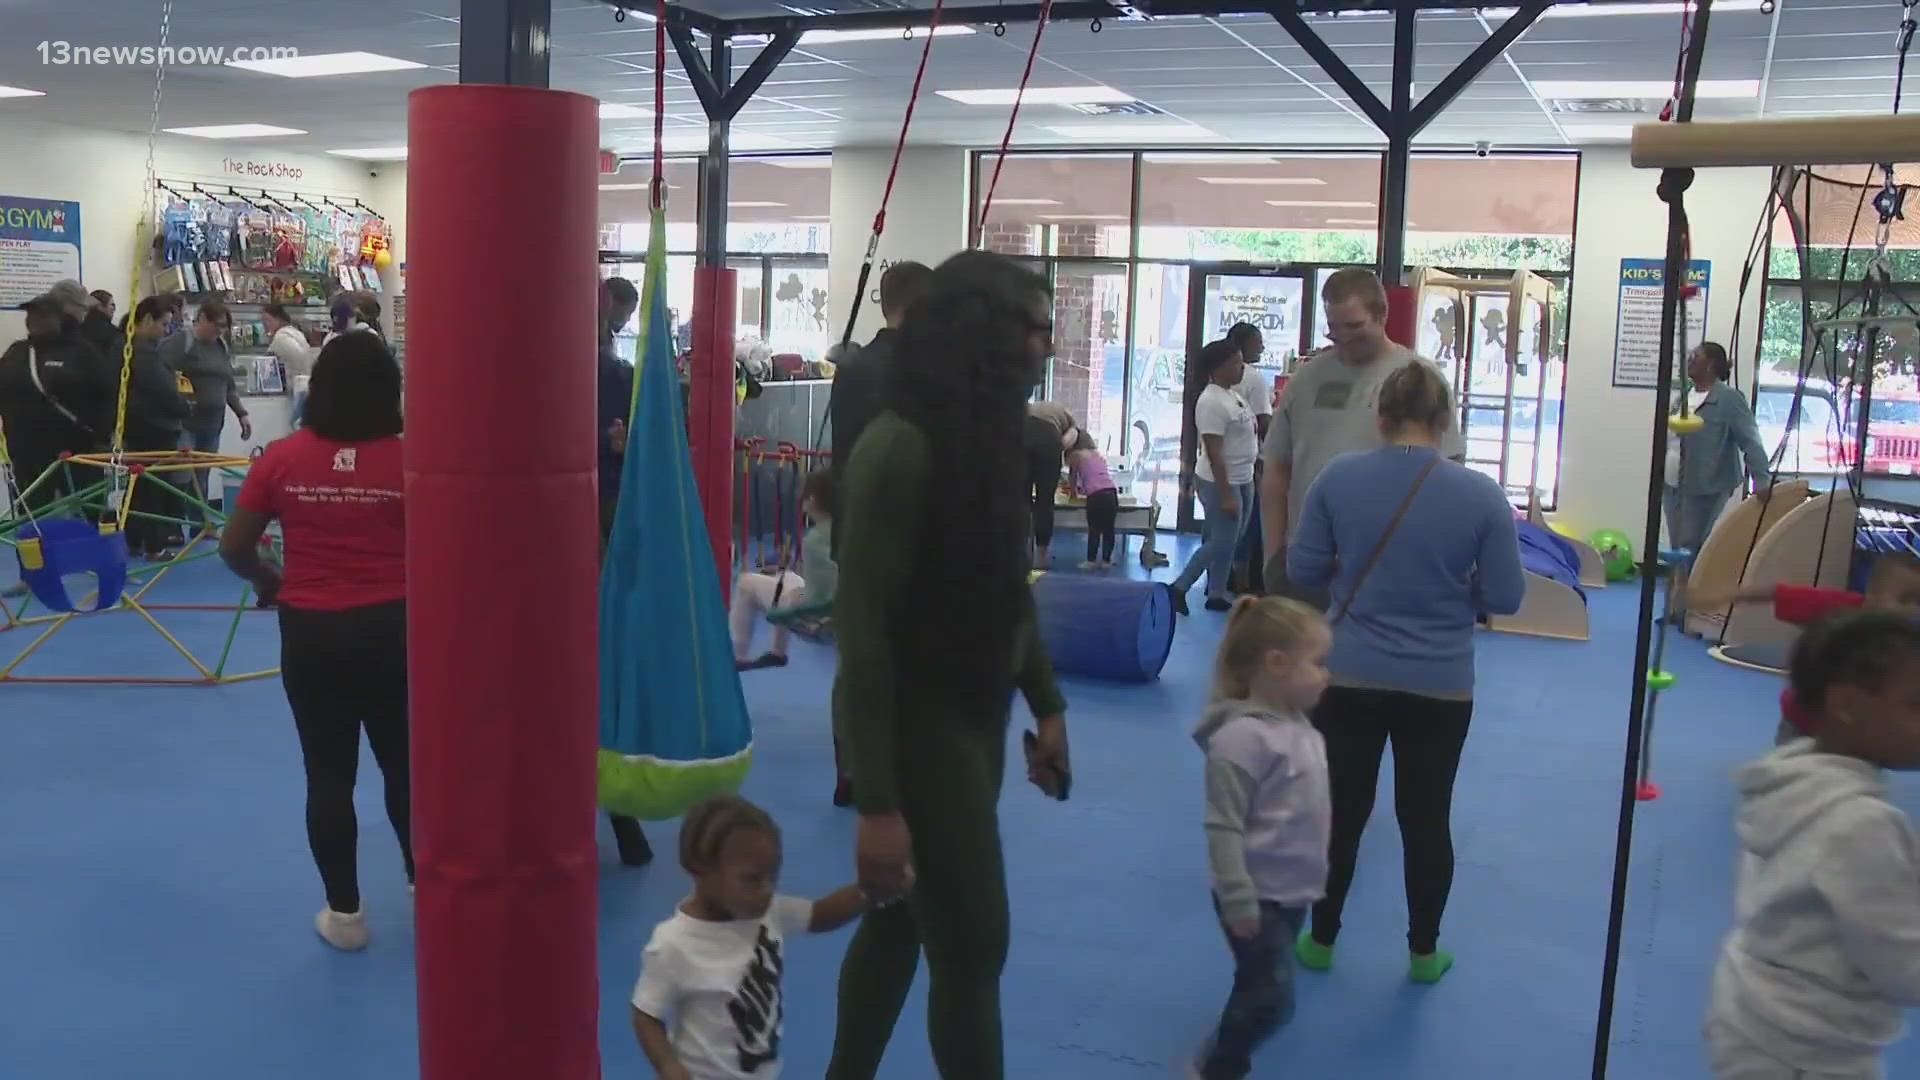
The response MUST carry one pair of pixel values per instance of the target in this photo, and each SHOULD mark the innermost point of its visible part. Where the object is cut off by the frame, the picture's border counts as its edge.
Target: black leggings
(1427, 735)
(1103, 511)
(1044, 459)
(344, 670)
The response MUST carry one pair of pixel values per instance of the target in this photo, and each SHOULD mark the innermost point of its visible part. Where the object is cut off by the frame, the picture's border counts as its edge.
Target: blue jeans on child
(1215, 553)
(1262, 998)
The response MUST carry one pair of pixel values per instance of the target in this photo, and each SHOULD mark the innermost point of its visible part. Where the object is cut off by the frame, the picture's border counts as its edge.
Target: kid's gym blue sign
(39, 245)
(1636, 339)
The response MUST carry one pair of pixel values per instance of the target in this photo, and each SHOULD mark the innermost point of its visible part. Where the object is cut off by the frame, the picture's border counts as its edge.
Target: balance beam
(1811, 140)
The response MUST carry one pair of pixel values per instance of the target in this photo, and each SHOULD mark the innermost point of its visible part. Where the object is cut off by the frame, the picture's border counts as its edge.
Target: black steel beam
(505, 42)
(708, 89)
(1336, 69)
(1485, 53)
(908, 18)
(714, 168)
(756, 74)
(1399, 155)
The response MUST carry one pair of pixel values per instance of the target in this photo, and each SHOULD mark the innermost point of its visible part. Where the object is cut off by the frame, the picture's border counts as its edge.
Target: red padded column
(502, 557)
(710, 410)
(1402, 316)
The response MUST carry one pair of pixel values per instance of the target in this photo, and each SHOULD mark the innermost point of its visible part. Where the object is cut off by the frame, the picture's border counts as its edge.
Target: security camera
(1766, 7)
(1482, 149)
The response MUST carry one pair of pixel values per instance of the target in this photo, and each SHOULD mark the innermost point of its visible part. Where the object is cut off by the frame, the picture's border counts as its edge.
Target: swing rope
(1006, 140)
(893, 174)
(120, 502)
(657, 187)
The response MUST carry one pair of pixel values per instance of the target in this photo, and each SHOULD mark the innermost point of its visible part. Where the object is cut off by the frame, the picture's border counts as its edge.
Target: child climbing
(761, 591)
(708, 1002)
(1269, 813)
(1825, 951)
(1093, 482)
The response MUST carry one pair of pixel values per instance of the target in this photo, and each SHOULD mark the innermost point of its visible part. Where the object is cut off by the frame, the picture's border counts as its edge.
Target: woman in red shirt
(336, 487)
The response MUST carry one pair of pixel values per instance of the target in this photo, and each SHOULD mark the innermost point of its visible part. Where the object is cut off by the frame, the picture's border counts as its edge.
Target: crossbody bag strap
(33, 372)
(1393, 523)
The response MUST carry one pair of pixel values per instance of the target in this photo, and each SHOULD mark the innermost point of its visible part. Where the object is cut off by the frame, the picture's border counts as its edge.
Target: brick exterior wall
(1079, 359)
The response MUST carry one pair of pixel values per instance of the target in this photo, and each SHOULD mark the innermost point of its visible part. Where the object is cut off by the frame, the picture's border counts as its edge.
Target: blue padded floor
(157, 892)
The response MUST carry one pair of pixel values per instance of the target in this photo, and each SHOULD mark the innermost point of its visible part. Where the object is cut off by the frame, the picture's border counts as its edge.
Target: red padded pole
(500, 459)
(1402, 315)
(710, 408)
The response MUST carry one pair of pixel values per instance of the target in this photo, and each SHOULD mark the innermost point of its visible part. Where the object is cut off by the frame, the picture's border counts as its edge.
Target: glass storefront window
(1069, 205)
(1504, 212)
(1088, 373)
(800, 317)
(1260, 207)
(1156, 379)
(779, 205)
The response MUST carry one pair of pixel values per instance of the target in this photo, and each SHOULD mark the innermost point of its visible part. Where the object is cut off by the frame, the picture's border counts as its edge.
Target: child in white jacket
(1825, 951)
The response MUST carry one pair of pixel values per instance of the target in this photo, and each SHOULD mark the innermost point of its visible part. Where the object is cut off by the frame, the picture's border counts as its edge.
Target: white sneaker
(348, 933)
(1089, 565)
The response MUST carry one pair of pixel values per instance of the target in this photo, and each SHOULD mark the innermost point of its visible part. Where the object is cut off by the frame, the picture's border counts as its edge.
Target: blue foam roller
(1104, 629)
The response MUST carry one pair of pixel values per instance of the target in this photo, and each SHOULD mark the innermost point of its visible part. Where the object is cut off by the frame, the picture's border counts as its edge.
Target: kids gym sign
(39, 245)
(269, 170)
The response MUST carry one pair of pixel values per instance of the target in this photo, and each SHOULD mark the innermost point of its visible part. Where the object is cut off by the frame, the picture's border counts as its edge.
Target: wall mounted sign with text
(39, 245)
(1636, 337)
(261, 170)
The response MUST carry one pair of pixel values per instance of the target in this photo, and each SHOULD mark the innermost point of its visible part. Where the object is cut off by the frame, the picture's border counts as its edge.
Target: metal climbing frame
(90, 498)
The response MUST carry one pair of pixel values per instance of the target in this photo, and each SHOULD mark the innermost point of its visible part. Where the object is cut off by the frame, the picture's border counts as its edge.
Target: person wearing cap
(56, 396)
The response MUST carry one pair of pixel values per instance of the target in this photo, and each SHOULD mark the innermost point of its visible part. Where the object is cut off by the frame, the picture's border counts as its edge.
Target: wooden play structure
(1725, 557)
(1490, 335)
(1812, 544)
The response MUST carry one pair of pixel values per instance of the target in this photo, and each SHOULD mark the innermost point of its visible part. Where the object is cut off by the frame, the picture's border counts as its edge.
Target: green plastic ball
(1660, 680)
(1616, 553)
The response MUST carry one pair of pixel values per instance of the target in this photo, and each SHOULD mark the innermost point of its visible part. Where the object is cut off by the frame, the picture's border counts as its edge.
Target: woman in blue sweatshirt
(1414, 549)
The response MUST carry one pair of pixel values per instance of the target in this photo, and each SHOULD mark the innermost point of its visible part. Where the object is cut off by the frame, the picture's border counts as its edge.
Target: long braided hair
(962, 372)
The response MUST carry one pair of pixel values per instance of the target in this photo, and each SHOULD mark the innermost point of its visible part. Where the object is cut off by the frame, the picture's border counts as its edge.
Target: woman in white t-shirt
(1222, 474)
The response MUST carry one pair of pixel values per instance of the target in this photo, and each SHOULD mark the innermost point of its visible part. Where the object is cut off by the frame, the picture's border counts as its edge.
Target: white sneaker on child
(348, 933)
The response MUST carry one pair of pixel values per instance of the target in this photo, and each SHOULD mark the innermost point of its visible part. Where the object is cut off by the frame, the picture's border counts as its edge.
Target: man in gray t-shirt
(1329, 408)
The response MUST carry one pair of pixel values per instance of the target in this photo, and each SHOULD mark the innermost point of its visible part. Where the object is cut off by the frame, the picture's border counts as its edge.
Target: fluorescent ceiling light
(831, 37)
(1651, 89)
(321, 64)
(1599, 132)
(1324, 204)
(1645, 7)
(234, 131)
(1125, 132)
(1265, 181)
(18, 91)
(1083, 217)
(374, 153)
(809, 161)
(811, 217)
(1027, 202)
(1041, 95)
(625, 187)
(614, 110)
(753, 204)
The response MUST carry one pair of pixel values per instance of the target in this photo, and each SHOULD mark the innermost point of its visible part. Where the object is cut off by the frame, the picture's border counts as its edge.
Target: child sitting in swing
(761, 592)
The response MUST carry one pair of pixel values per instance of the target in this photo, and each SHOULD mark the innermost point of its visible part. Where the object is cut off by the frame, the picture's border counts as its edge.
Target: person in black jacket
(56, 397)
(857, 382)
(618, 301)
(98, 328)
(156, 414)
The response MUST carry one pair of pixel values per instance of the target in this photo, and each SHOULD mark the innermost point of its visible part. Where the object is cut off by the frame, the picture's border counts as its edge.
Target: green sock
(1429, 967)
(1312, 955)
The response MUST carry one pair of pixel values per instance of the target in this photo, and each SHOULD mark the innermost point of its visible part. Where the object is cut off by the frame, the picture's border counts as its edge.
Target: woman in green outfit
(936, 631)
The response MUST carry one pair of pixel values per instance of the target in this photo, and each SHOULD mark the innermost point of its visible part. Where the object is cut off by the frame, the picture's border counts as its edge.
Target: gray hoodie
(1825, 950)
(1269, 812)
(208, 365)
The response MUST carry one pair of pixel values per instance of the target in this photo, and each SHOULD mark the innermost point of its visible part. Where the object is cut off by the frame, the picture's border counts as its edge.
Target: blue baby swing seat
(53, 549)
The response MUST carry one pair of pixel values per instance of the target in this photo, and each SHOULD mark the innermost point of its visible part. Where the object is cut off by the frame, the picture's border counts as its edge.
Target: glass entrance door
(1219, 295)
